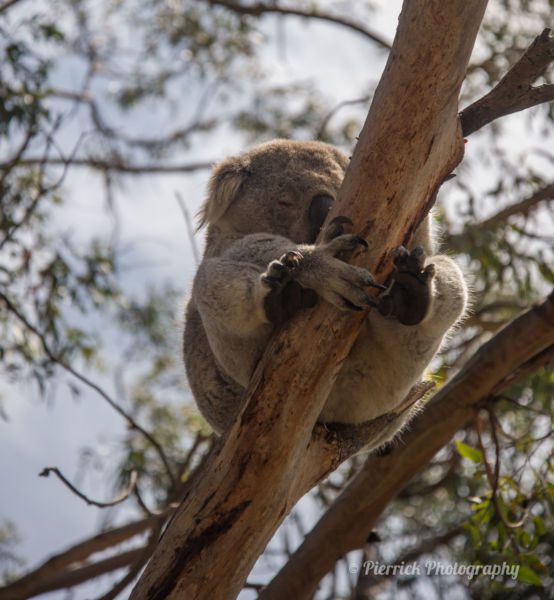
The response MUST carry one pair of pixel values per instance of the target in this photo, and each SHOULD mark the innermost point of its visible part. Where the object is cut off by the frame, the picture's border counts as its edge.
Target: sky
(38, 434)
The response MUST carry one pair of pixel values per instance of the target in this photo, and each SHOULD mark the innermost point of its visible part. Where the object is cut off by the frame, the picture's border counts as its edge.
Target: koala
(263, 213)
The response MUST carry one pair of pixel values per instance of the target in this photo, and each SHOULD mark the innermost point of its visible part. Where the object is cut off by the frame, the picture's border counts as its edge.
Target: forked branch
(515, 92)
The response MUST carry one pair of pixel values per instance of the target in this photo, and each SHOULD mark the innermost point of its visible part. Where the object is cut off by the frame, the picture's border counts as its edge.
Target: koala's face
(282, 187)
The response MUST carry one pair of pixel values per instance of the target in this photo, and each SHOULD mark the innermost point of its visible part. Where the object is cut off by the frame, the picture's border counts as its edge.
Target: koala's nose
(319, 208)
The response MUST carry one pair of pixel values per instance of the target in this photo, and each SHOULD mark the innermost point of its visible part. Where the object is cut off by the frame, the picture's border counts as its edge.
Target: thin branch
(335, 110)
(178, 134)
(79, 575)
(117, 500)
(56, 359)
(190, 228)
(514, 92)
(8, 4)
(8, 165)
(55, 567)
(493, 482)
(259, 9)
(116, 165)
(523, 207)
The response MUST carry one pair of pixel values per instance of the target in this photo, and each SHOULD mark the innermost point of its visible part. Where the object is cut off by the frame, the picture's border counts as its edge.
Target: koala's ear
(223, 188)
(341, 158)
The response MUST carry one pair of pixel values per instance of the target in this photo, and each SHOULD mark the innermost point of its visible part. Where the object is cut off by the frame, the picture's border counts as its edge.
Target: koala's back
(218, 396)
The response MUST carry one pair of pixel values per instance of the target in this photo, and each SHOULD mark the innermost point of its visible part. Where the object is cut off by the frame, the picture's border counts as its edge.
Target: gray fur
(256, 212)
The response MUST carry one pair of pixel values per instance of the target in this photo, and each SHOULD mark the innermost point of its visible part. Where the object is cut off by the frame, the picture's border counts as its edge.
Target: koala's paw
(409, 295)
(341, 284)
(285, 296)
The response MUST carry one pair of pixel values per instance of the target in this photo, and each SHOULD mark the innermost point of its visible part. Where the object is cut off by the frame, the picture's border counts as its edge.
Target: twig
(514, 92)
(190, 230)
(335, 110)
(31, 132)
(546, 193)
(259, 9)
(56, 359)
(493, 482)
(117, 500)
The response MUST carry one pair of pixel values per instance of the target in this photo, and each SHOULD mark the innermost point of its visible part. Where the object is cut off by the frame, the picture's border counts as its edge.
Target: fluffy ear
(223, 188)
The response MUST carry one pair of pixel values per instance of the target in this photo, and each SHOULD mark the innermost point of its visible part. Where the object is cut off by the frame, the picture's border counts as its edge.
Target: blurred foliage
(10, 562)
(191, 71)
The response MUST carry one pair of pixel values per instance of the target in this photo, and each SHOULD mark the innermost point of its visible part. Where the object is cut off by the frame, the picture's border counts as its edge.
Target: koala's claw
(344, 246)
(428, 272)
(409, 295)
(336, 228)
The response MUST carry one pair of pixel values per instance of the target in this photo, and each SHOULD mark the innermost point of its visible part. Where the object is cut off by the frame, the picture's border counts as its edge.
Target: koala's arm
(230, 291)
(237, 289)
(262, 279)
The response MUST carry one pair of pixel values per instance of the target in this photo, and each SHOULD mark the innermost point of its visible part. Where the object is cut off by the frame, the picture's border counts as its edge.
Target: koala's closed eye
(319, 208)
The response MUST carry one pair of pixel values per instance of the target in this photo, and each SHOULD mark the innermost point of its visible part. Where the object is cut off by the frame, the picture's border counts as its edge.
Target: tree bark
(410, 142)
(346, 524)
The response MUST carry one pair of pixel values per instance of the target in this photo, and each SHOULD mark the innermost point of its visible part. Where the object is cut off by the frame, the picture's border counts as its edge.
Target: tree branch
(79, 575)
(545, 194)
(118, 500)
(410, 142)
(58, 564)
(514, 91)
(8, 4)
(259, 9)
(345, 525)
(325, 121)
(149, 143)
(113, 165)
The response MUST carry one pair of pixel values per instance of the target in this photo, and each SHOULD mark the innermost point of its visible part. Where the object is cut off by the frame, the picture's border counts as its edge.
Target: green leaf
(527, 575)
(469, 452)
(540, 527)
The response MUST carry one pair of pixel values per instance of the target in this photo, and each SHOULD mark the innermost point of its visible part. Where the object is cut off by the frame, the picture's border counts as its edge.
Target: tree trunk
(411, 140)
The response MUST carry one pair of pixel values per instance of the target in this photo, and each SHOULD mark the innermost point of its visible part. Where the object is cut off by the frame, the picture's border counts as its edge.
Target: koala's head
(281, 187)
